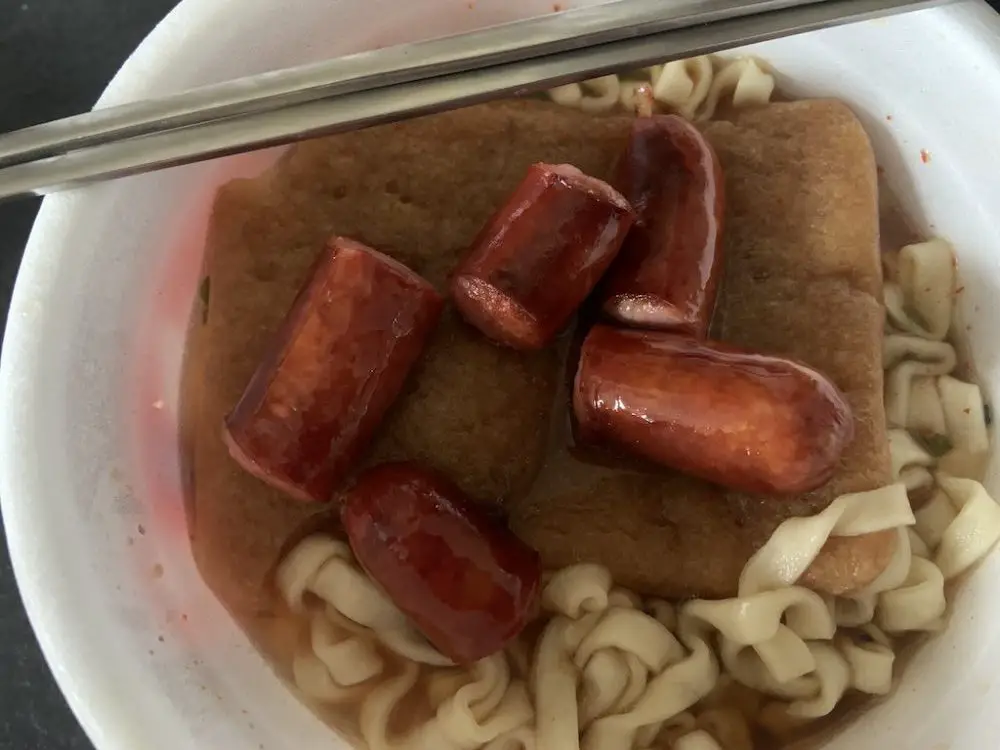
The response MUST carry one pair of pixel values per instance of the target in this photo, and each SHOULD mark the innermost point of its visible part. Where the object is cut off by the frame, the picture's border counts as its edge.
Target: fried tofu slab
(802, 279)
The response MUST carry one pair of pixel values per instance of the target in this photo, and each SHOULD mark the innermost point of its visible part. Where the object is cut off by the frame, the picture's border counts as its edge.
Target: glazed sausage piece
(666, 276)
(464, 579)
(334, 367)
(746, 421)
(540, 255)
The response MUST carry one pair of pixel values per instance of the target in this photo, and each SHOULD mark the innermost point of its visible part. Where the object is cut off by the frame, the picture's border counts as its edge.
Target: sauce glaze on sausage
(750, 422)
(540, 255)
(667, 274)
(467, 582)
(337, 363)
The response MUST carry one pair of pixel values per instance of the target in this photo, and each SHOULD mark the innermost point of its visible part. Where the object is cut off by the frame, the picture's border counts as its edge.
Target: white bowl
(88, 382)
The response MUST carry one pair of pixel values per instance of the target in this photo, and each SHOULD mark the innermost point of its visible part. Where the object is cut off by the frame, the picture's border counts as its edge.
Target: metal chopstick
(511, 42)
(367, 107)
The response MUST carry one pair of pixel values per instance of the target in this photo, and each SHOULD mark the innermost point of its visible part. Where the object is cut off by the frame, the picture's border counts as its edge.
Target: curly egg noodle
(611, 669)
(693, 88)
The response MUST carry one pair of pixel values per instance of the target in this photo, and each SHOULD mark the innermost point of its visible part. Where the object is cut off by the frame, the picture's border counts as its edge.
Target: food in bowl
(685, 462)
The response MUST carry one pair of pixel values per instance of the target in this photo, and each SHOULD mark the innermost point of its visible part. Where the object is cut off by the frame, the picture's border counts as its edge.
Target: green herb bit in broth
(934, 443)
(204, 293)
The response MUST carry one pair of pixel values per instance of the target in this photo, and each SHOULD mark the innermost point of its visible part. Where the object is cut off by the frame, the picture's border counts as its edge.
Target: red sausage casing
(746, 421)
(667, 274)
(336, 364)
(540, 255)
(464, 579)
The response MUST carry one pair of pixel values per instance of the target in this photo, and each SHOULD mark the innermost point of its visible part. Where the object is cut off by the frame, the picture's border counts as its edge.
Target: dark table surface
(56, 56)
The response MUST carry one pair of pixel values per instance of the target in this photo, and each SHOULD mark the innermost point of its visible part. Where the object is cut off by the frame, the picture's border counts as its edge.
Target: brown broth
(277, 633)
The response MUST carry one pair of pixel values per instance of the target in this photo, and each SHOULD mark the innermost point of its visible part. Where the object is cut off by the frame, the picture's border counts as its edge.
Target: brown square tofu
(802, 279)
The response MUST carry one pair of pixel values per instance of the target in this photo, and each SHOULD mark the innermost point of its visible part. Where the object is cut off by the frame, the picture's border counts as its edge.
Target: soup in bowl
(653, 412)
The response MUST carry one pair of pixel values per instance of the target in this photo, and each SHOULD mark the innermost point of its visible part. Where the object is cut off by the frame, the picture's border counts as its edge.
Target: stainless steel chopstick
(367, 107)
(511, 42)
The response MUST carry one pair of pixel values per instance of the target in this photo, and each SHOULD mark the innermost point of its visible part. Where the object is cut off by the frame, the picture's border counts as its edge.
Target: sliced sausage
(338, 361)
(667, 274)
(747, 421)
(464, 579)
(540, 255)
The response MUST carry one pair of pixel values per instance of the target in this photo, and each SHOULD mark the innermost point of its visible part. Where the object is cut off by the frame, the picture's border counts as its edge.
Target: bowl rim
(74, 672)
(48, 620)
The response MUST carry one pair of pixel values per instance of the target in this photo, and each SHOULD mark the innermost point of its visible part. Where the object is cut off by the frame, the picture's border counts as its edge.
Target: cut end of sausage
(574, 178)
(361, 253)
(264, 474)
(496, 314)
(652, 312)
(540, 255)
(666, 276)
